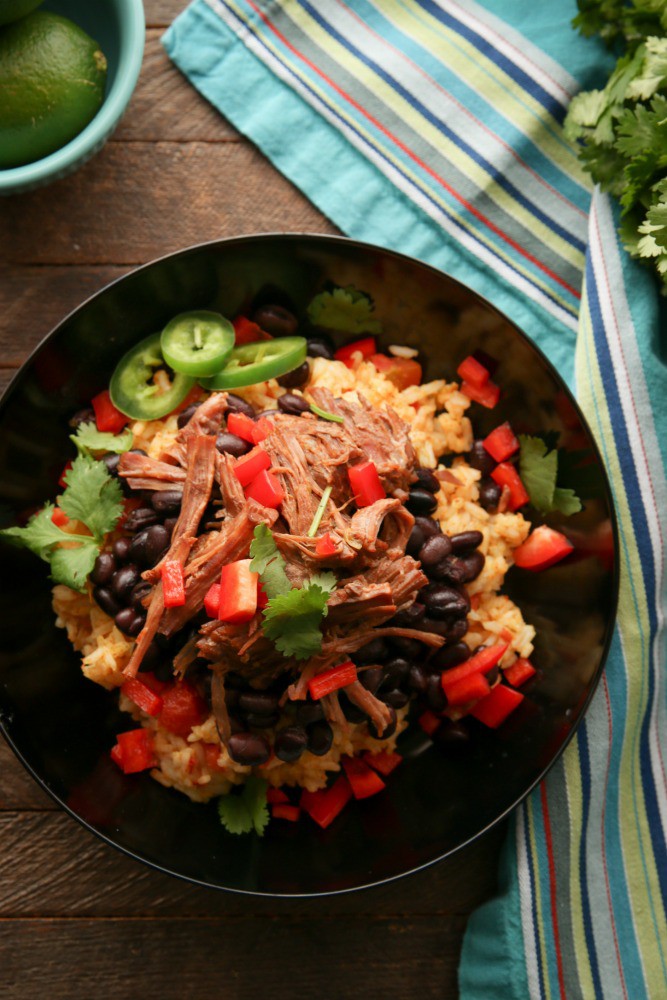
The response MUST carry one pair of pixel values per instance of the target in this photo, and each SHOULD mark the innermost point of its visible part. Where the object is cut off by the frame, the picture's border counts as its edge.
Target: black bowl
(61, 725)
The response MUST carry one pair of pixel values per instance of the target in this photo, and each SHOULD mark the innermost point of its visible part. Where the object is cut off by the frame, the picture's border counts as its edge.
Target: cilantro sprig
(623, 127)
(91, 496)
(293, 615)
(88, 439)
(245, 811)
(345, 309)
(538, 467)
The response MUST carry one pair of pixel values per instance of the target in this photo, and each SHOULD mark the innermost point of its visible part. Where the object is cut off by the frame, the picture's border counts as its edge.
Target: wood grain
(18, 789)
(160, 13)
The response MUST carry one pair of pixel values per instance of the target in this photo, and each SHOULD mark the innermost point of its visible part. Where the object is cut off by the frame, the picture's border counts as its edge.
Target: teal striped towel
(435, 127)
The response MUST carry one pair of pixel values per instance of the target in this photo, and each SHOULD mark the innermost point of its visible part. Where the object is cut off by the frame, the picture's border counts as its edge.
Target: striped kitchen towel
(435, 127)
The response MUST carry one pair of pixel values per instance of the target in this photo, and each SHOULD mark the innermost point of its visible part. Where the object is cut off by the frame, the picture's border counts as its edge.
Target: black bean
(139, 592)
(248, 749)
(421, 501)
(186, 415)
(121, 549)
(84, 416)
(395, 698)
(441, 626)
(450, 656)
(458, 629)
(493, 675)
(124, 619)
(297, 378)
(435, 696)
(295, 405)
(106, 600)
(427, 480)
(371, 678)
(237, 405)
(123, 582)
(386, 733)
(415, 541)
(232, 444)
(434, 550)
(167, 501)
(418, 679)
(320, 347)
(148, 545)
(375, 651)
(234, 681)
(236, 726)
(396, 670)
(352, 712)
(453, 735)
(290, 743)
(137, 624)
(140, 518)
(473, 565)
(480, 459)
(308, 712)
(258, 702)
(409, 617)
(103, 569)
(466, 540)
(320, 738)
(452, 569)
(170, 524)
(111, 460)
(276, 320)
(262, 721)
(410, 648)
(231, 698)
(489, 494)
(428, 526)
(444, 602)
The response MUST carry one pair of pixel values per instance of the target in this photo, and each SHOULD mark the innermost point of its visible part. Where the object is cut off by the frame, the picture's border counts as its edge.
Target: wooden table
(77, 918)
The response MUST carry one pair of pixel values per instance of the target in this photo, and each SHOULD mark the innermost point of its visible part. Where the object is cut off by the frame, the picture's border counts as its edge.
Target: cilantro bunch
(623, 128)
(245, 811)
(344, 309)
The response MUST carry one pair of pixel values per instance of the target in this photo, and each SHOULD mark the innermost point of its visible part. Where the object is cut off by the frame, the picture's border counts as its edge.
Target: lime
(12, 10)
(52, 77)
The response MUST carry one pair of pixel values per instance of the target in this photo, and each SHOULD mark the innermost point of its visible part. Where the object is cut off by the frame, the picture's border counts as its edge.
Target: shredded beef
(144, 473)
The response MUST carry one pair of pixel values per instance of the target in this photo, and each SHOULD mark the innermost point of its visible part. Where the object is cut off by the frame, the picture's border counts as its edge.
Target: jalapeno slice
(133, 389)
(258, 361)
(197, 343)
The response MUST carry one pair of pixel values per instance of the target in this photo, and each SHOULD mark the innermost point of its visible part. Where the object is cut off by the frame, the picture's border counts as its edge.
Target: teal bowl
(119, 27)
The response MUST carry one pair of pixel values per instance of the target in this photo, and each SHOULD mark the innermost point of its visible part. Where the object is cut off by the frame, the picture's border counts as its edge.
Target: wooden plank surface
(78, 919)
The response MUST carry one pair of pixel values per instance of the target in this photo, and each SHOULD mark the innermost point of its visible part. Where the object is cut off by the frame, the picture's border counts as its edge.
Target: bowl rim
(614, 597)
(132, 42)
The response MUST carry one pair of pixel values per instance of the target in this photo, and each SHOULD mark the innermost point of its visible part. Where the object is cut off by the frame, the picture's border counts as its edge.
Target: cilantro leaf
(539, 472)
(247, 811)
(39, 535)
(71, 566)
(268, 562)
(292, 620)
(92, 496)
(653, 70)
(344, 309)
(88, 438)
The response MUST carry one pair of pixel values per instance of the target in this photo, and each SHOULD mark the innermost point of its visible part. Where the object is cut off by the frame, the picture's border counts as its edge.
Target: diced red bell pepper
(59, 517)
(153, 683)
(402, 372)
(107, 416)
(479, 663)
(467, 689)
(384, 762)
(142, 696)
(494, 709)
(117, 755)
(324, 805)
(366, 484)
(501, 443)
(364, 781)
(212, 600)
(246, 332)
(473, 372)
(543, 547)
(173, 584)
(520, 672)
(429, 722)
(265, 488)
(61, 481)
(250, 465)
(489, 362)
(238, 592)
(182, 708)
(136, 751)
(366, 346)
(285, 811)
(241, 425)
(506, 475)
(262, 429)
(332, 679)
(486, 395)
(262, 597)
(211, 755)
(276, 796)
(325, 547)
